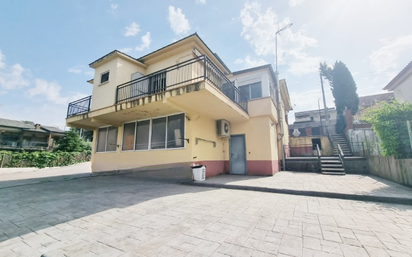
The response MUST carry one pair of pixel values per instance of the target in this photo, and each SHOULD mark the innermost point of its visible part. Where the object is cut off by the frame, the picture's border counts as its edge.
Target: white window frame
(150, 134)
(105, 142)
(250, 89)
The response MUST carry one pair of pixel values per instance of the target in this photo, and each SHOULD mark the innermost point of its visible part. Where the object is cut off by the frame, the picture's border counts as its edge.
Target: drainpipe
(280, 117)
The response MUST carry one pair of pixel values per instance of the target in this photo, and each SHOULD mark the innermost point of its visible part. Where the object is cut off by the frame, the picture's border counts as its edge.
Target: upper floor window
(107, 139)
(104, 77)
(252, 91)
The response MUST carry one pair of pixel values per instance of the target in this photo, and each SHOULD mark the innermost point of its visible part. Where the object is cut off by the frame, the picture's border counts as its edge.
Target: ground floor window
(107, 139)
(158, 133)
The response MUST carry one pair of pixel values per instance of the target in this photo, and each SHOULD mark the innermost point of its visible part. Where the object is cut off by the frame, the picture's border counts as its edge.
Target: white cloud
(126, 50)
(308, 100)
(145, 42)
(13, 77)
(249, 62)
(132, 30)
(201, 1)
(113, 9)
(387, 57)
(74, 70)
(80, 69)
(259, 29)
(2, 64)
(51, 91)
(178, 22)
(293, 3)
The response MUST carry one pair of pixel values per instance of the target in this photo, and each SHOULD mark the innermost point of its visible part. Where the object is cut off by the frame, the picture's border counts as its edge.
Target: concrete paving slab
(350, 186)
(128, 215)
(12, 177)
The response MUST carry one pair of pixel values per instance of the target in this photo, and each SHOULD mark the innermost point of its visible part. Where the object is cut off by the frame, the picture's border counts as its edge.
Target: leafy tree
(85, 134)
(71, 142)
(389, 122)
(343, 86)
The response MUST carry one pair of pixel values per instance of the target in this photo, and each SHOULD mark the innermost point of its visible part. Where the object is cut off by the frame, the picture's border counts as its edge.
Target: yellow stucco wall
(196, 126)
(120, 72)
(307, 141)
(258, 137)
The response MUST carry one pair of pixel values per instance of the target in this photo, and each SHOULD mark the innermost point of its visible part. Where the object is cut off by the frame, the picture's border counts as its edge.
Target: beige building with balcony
(181, 105)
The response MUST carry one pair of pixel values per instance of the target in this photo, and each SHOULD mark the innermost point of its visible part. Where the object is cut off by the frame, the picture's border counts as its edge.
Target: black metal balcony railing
(80, 106)
(195, 70)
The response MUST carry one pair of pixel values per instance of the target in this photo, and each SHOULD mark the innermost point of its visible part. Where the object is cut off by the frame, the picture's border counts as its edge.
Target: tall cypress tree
(343, 86)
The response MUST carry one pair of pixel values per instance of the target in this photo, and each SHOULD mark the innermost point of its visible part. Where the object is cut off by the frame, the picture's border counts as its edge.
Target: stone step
(337, 166)
(333, 173)
(330, 162)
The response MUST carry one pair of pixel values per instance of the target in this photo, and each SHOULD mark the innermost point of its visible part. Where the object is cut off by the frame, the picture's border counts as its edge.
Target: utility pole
(280, 113)
(324, 103)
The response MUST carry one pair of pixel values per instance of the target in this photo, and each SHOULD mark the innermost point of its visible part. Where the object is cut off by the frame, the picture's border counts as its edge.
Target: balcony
(196, 84)
(189, 72)
(78, 107)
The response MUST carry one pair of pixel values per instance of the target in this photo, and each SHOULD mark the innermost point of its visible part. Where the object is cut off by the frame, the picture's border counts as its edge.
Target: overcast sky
(46, 46)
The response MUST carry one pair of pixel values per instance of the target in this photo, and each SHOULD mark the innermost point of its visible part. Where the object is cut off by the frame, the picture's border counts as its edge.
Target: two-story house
(181, 105)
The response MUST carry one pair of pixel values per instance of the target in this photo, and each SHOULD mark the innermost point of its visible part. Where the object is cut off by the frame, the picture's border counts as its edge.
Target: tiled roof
(17, 124)
(29, 126)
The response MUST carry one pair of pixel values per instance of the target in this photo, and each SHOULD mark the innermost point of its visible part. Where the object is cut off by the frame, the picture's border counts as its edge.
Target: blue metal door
(237, 154)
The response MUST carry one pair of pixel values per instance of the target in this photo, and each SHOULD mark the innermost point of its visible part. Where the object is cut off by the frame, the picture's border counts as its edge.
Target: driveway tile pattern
(129, 216)
(348, 184)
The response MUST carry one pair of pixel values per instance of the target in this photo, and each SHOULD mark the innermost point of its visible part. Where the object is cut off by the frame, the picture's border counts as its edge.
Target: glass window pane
(256, 90)
(128, 136)
(101, 140)
(175, 131)
(105, 77)
(142, 135)
(158, 133)
(245, 91)
(111, 139)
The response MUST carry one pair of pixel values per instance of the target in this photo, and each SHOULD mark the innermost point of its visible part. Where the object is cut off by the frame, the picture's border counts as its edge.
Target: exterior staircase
(341, 140)
(332, 166)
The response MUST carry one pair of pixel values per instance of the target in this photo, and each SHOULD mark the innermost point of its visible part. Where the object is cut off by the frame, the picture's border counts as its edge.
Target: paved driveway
(350, 184)
(127, 215)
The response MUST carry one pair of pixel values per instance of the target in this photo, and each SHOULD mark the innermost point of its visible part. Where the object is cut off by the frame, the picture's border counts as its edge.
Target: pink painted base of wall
(214, 168)
(262, 168)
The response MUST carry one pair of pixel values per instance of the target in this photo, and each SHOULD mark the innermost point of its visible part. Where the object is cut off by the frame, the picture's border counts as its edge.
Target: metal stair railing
(319, 158)
(341, 157)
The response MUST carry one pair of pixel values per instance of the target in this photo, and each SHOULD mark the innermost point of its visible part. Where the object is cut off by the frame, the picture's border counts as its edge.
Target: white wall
(403, 92)
(253, 77)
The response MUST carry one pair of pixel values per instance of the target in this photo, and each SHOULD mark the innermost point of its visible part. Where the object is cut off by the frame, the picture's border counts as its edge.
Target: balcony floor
(198, 98)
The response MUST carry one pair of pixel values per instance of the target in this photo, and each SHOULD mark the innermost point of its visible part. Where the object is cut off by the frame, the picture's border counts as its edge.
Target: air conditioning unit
(223, 128)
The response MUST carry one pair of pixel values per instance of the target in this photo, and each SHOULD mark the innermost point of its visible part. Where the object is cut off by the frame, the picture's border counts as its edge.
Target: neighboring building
(313, 122)
(26, 135)
(309, 130)
(181, 105)
(366, 102)
(401, 85)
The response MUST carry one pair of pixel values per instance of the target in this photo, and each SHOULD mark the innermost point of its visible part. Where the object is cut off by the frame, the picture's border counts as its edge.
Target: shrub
(42, 159)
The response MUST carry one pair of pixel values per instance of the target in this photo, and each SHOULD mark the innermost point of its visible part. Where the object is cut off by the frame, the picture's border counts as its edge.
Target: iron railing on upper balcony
(80, 106)
(194, 70)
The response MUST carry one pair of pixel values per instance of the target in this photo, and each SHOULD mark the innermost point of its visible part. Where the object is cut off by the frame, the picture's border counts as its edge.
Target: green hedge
(42, 159)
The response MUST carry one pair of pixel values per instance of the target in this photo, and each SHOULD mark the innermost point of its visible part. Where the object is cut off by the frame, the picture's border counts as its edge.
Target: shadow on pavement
(27, 209)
